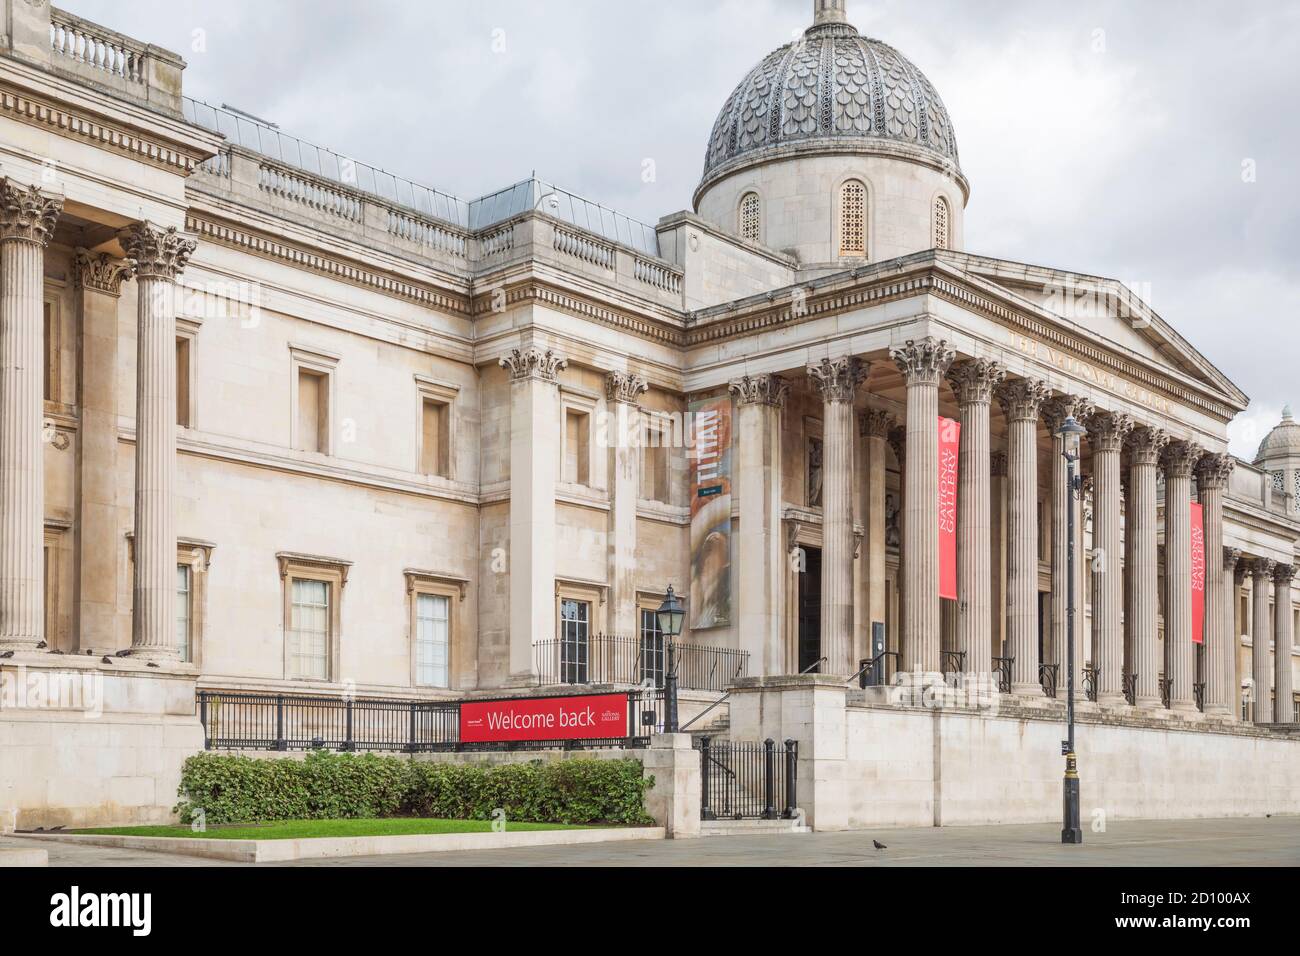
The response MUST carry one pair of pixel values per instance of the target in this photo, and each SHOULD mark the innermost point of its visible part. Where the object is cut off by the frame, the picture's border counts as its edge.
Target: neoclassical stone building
(274, 418)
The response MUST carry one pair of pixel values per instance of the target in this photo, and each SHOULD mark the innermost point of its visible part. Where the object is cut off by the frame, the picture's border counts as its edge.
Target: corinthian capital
(533, 363)
(1261, 568)
(837, 379)
(923, 361)
(161, 253)
(1147, 445)
(973, 380)
(1230, 558)
(1214, 470)
(875, 423)
(100, 272)
(1180, 458)
(1107, 430)
(760, 390)
(1060, 407)
(624, 387)
(27, 213)
(1282, 575)
(1022, 398)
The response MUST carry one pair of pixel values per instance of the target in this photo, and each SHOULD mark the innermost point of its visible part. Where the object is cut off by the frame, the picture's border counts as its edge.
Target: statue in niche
(814, 472)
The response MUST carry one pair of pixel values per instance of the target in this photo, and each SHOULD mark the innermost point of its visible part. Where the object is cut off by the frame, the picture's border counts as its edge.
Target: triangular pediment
(1102, 311)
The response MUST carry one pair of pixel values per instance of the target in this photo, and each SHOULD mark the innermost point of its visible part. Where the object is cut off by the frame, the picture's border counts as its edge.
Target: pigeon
(878, 845)
(126, 652)
(7, 654)
(56, 651)
(106, 659)
(150, 664)
(41, 646)
(89, 651)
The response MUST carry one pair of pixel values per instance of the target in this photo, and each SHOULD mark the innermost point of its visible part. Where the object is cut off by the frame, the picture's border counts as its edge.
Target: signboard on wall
(949, 448)
(544, 718)
(710, 482)
(1198, 574)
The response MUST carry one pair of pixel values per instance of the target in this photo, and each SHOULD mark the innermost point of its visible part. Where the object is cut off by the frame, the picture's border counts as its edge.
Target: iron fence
(1166, 690)
(615, 659)
(1130, 689)
(745, 780)
(245, 721)
(1090, 675)
(1002, 666)
(1047, 674)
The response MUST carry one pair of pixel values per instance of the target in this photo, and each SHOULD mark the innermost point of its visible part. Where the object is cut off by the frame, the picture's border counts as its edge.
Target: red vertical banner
(1198, 574)
(949, 446)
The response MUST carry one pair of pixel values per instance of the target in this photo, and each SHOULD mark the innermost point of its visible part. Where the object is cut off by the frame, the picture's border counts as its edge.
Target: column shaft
(1180, 654)
(1232, 578)
(1055, 412)
(1108, 432)
(1283, 637)
(622, 389)
(1021, 401)
(1147, 446)
(873, 430)
(27, 219)
(1261, 635)
(1213, 472)
(923, 363)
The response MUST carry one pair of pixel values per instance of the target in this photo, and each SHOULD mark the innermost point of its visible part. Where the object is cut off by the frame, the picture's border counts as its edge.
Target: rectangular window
(313, 411)
(652, 648)
(432, 640)
(435, 457)
(577, 457)
(184, 609)
(575, 630)
(309, 634)
(183, 382)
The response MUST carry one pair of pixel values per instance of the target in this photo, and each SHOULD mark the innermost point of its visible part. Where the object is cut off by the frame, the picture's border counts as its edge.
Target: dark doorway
(810, 608)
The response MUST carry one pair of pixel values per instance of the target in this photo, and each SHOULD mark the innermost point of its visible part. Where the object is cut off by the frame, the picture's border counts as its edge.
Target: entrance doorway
(810, 608)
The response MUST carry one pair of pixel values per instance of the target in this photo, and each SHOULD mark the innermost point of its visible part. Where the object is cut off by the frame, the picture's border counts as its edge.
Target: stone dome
(1282, 442)
(831, 91)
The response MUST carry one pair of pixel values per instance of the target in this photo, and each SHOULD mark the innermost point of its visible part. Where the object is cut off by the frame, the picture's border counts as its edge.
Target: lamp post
(1071, 432)
(670, 616)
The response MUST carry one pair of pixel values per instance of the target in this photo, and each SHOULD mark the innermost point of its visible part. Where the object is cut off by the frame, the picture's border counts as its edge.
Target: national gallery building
(275, 421)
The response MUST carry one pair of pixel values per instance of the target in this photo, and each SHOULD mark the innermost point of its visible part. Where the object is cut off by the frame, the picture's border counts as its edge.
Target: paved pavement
(1252, 841)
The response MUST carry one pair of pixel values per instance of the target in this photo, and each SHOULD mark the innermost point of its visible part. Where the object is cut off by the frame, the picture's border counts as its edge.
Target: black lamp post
(670, 616)
(1071, 832)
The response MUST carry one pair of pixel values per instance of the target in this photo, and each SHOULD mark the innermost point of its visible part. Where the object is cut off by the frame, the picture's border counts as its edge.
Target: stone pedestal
(674, 800)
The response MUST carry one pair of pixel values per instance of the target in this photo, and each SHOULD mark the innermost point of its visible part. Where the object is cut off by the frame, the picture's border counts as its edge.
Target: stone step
(746, 827)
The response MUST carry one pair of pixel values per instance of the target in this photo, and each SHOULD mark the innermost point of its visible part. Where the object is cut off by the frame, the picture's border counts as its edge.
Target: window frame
(745, 196)
(655, 457)
(435, 584)
(334, 573)
(316, 362)
(584, 405)
(444, 394)
(840, 190)
(941, 202)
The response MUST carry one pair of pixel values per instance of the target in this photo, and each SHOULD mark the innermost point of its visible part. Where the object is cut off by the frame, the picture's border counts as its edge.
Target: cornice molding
(537, 292)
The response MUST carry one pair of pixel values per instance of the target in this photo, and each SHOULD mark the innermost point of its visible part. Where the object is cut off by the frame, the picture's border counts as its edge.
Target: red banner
(544, 718)
(949, 446)
(1198, 574)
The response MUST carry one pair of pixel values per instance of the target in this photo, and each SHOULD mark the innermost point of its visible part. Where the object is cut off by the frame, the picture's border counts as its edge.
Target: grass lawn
(300, 829)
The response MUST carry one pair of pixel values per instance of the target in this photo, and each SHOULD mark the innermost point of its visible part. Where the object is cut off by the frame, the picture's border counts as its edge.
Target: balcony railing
(614, 659)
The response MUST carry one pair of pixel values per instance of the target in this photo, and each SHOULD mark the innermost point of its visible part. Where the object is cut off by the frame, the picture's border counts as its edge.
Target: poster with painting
(710, 481)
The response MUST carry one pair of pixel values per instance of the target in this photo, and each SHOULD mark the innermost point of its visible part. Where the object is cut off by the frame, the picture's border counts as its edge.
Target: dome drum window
(749, 217)
(940, 223)
(853, 215)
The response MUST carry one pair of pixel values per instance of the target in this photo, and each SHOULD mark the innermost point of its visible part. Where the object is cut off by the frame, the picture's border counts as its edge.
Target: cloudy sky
(1152, 142)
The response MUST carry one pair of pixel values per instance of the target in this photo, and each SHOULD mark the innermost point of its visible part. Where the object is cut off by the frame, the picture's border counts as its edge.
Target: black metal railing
(244, 721)
(952, 662)
(1198, 694)
(1130, 682)
(1166, 690)
(614, 659)
(742, 780)
(1090, 674)
(1047, 674)
(879, 670)
(1002, 665)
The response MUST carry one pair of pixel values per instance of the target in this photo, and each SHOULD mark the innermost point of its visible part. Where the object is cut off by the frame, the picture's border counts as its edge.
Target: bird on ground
(7, 654)
(150, 664)
(125, 652)
(41, 646)
(56, 651)
(106, 659)
(878, 845)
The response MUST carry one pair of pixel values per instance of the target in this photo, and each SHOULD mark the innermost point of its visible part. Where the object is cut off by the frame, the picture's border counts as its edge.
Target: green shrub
(234, 789)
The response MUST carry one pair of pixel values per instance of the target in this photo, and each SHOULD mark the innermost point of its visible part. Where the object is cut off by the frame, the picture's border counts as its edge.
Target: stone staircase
(749, 827)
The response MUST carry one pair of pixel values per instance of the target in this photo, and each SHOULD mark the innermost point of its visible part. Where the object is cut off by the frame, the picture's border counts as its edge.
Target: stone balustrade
(584, 247)
(658, 275)
(96, 47)
(428, 233)
(309, 191)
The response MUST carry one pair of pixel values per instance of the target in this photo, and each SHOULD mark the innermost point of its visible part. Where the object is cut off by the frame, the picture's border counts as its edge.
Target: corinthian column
(874, 426)
(837, 380)
(1213, 472)
(1146, 445)
(1283, 706)
(1055, 412)
(1233, 574)
(923, 363)
(1021, 401)
(1261, 628)
(27, 218)
(1108, 431)
(759, 560)
(157, 257)
(973, 381)
(1180, 654)
(622, 392)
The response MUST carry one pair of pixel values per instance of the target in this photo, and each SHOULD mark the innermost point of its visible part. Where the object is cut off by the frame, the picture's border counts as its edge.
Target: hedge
(236, 789)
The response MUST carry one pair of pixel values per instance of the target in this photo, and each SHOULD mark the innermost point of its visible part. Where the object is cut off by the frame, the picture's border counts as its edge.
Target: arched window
(853, 219)
(749, 216)
(940, 222)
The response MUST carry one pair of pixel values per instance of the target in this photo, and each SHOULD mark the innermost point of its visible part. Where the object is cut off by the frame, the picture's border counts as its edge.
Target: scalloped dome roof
(1282, 441)
(834, 89)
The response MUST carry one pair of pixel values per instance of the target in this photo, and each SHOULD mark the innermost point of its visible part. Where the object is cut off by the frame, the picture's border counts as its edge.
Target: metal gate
(742, 780)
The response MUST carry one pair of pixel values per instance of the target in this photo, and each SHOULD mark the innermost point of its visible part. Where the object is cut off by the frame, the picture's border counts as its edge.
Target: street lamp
(1070, 432)
(670, 616)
